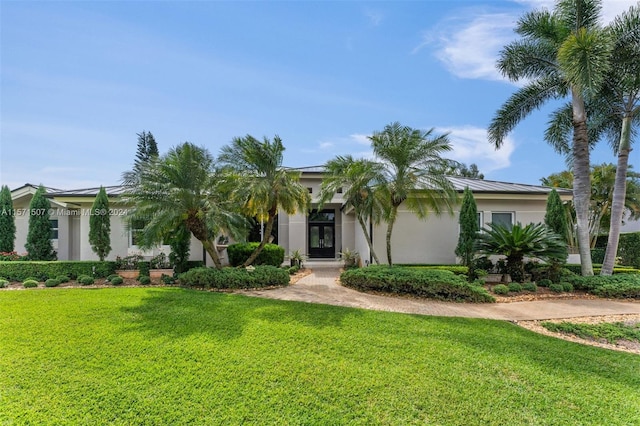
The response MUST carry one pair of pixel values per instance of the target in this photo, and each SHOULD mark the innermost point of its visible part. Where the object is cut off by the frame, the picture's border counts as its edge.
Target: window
(502, 218)
(54, 229)
(310, 190)
(134, 232)
(480, 224)
(339, 190)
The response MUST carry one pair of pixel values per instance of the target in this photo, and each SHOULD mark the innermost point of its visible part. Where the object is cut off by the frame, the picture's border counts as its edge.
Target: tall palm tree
(178, 189)
(614, 114)
(261, 184)
(412, 163)
(560, 53)
(358, 180)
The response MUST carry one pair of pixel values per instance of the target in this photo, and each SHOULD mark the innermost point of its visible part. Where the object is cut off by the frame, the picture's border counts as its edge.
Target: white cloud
(360, 139)
(469, 49)
(326, 145)
(469, 44)
(470, 145)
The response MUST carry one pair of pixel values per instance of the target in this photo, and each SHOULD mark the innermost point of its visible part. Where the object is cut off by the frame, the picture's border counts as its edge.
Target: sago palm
(560, 53)
(412, 162)
(178, 189)
(358, 180)
(517, 241)
(261, 184)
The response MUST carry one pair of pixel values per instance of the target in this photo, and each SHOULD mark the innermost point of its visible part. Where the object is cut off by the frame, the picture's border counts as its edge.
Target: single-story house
(317, 234)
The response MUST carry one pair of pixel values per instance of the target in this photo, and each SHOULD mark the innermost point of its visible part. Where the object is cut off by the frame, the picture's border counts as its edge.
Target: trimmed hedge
(629, 249)
(271, 254)
(614, 286)
(456, 269)
(232, 278)
(430, 283)
(576, 269)
(43, 270)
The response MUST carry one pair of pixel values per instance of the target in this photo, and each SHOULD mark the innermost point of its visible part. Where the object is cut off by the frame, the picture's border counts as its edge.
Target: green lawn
(174, 356)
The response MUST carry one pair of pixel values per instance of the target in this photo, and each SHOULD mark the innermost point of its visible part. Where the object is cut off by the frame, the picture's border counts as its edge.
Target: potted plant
(127, 267)
(350, 258)
(296, 258)
(159, 265)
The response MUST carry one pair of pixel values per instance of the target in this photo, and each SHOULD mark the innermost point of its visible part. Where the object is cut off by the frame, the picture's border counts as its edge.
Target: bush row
(615, 286)
(232, 278)
(456, 269)
(430, 283)
(271, 254)
(576, 269)
(42, 270)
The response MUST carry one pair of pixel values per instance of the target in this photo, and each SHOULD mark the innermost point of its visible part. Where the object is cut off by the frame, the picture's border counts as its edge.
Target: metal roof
(459, 183)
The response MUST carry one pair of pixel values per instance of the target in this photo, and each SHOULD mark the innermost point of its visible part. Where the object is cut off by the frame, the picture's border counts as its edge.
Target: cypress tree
(556, 220)
(100, 225)
(38, 244)
(7, 221)
(469, 228)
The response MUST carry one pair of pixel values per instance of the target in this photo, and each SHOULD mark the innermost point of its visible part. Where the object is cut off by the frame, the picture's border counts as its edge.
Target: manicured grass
(176, 356)
(611, 332)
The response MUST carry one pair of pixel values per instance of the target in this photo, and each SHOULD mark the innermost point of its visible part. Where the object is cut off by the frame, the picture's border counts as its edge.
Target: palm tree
(178, 189)
(261, 184)
(411, 173)
(517, 241)
(357, 179)
(560, 53)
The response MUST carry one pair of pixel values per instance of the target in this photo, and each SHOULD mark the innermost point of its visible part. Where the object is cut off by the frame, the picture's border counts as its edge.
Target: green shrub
(456, 269)
(3, 283)
(30, 283)
(31, 279)
(144, 268)
(144, 279)
(271, 254)
(515, 287)
(500, 289)
(85, 280)
(614, 286)
(566, 286)
(558, 288)
(292, 270)
(52, 282)
(629, 249)
(576, 269)
(545, 282)
(19, 271)
(231, 278)
(117, 280)
(167, 279)
(597, 255)
(430, 283)
(530, 287)
(62, 278)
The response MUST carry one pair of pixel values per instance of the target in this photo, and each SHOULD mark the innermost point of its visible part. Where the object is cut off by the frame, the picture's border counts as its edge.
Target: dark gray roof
(29, 185)
(87, 192)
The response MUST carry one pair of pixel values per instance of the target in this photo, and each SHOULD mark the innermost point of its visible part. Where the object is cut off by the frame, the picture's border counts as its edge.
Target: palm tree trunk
(581, 179)
(213, 253)
(392, 221)
(265, 239)
(619, 195)
(368, 238)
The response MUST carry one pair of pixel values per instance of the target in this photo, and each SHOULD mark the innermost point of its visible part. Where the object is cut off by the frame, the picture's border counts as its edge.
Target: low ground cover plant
(30, 283)
(233, 278)
(43, 270)
(614, 286)
(611, 332)
(430, 283)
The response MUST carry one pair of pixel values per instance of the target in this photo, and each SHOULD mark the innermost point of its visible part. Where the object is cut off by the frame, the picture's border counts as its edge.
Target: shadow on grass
(181, 313)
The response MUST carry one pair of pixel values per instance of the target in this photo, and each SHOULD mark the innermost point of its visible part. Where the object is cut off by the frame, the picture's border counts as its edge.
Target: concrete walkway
(321, 287)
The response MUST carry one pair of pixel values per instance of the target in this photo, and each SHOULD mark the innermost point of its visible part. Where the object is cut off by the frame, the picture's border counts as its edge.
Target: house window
(134, 232)
(480, 224)
(54, 229)
(502, 218)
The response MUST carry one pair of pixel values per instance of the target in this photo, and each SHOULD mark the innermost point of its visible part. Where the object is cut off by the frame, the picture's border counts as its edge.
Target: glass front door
(322, 234)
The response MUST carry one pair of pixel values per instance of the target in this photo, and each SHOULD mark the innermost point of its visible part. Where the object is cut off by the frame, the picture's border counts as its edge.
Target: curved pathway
(321, 287)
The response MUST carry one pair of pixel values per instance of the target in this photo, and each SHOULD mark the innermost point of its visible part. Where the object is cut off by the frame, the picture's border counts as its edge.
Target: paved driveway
(321, 287)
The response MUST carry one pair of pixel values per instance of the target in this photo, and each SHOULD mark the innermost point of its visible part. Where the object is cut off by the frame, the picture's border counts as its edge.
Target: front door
(322, 234)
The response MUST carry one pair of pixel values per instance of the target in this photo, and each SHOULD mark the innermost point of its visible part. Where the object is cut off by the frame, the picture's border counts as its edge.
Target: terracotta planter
(157, 273)
(128, 273)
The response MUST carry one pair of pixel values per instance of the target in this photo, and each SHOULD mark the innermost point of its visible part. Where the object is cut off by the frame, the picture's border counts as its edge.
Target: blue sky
(80, 79)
